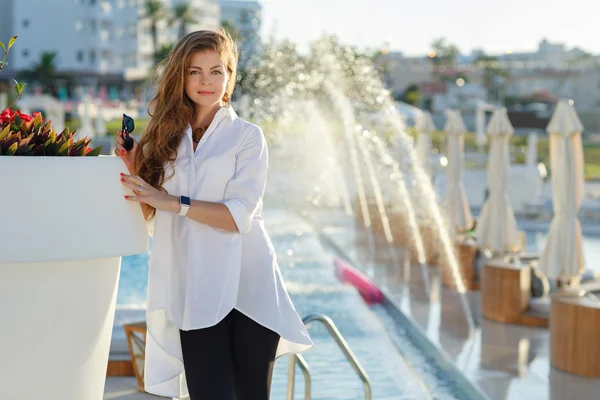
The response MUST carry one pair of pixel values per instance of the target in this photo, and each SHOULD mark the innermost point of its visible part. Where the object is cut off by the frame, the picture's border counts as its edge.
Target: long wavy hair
(171, 109)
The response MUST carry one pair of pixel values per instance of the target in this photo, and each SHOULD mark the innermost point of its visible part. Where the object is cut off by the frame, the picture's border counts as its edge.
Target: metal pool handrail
(343, 345)
(292, 376)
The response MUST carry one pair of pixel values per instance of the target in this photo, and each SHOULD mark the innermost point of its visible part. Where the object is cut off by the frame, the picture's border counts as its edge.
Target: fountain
(100, 125)
(379, 172)
(86, 129)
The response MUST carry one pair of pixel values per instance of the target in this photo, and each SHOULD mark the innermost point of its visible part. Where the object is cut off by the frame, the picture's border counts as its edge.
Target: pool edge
(416, 333)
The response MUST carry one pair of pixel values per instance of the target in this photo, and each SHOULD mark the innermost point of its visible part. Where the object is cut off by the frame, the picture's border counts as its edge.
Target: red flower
(7, 115)
(24, 117)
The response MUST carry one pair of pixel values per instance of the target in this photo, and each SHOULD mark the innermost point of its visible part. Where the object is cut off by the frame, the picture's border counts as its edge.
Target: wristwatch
(184, 205)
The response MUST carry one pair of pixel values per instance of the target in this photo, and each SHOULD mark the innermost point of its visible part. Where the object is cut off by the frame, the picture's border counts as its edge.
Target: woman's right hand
(128, 157)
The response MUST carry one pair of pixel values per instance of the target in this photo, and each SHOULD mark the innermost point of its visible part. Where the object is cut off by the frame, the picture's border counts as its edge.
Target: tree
(583, 59)
(184, 14)
(43, 71)
(492, 74)
(46, 67)
(445, 53)
(412, 95)
(162, 52)
(155, 12)
(230, 28)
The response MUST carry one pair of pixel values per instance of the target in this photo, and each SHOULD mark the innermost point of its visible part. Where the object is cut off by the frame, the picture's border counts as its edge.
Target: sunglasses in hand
(127, 126)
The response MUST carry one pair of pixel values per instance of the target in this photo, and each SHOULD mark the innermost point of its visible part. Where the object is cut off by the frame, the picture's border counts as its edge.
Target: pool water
(307, 268)
(536, 241)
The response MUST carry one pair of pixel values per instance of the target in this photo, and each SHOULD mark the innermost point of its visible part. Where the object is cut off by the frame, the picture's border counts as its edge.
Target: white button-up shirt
(198, 273)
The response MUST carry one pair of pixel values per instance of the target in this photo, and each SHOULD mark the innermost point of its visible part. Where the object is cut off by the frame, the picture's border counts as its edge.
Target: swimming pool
(536, 241)
(307, 267)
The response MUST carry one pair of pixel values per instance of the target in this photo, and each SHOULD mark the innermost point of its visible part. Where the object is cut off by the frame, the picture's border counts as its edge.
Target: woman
(218, 314)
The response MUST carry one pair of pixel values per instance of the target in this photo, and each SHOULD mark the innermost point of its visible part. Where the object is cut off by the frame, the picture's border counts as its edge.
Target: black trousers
(231, 360)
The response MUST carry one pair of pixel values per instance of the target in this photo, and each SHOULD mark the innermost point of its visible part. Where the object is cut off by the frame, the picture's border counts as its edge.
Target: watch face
(185, 200)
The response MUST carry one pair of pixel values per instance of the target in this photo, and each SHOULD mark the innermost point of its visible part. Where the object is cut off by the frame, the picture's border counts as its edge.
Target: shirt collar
(225, 113)
(231, 115)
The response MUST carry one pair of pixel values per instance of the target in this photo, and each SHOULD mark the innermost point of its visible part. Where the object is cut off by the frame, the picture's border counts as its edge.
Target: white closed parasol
(562, 257)
(455, 201)
(496, 227)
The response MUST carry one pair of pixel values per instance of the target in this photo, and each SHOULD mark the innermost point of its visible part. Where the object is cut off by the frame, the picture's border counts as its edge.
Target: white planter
(64, 226)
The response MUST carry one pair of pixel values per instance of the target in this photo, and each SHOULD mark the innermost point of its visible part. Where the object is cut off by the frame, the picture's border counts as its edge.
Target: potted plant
(64, 226)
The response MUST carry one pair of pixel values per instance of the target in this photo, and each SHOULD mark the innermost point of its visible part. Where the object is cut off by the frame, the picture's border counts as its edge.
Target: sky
(496, 26)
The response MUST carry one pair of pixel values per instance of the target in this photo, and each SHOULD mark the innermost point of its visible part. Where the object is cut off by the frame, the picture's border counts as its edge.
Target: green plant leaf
(37, 121)
(64, 134)
(26, 140)
(64, 149)
(5, 132)
(12, 149)
(14, 138)
(94, 153)
(12, 41)
(47, 127)
(24, 126)
(19, 87)
(48, 147)
(24, 150)
(2, 45)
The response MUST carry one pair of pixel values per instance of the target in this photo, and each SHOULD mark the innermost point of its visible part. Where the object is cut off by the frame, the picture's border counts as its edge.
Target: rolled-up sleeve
(244, 192)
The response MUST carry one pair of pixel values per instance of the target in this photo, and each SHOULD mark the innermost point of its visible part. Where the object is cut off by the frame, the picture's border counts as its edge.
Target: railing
(292, 376)
(337, 336)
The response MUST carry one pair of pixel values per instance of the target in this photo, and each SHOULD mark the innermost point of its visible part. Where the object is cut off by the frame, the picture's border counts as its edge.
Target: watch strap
(184, 205)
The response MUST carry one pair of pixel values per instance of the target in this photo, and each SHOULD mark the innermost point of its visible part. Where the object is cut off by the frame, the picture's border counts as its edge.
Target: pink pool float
(367, 289)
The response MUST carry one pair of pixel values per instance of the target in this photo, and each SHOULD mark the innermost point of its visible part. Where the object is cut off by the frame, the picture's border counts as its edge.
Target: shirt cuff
(239, 213)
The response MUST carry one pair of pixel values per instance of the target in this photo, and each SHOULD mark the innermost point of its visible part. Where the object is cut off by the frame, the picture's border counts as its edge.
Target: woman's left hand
(145, 193)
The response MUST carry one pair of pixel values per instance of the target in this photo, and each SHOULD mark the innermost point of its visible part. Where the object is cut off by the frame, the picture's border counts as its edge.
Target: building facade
(246, 17)
(555, 56)
(399, 72)
(91, 38)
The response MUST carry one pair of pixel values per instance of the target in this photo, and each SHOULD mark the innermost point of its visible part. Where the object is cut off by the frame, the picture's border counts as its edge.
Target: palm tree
(162, 52)
(155, 12)
(43, 72)
(46, 67)
(184, 14)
